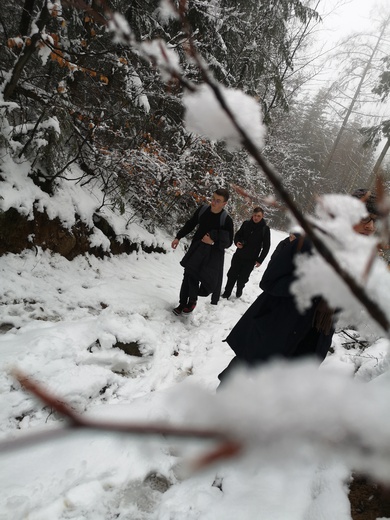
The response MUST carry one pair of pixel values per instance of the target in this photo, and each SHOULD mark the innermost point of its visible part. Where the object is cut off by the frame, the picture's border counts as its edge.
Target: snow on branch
(299, 416)
(205, 115)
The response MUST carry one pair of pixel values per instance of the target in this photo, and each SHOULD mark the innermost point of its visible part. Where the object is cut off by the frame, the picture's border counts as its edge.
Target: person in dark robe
(253, 241)
(203, 262)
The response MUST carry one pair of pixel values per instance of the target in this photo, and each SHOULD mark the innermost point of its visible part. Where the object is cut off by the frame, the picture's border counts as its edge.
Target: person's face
(217, 203)
(366, 226)
(257, 217)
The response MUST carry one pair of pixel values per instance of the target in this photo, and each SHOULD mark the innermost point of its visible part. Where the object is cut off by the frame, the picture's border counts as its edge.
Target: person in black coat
(253, 241)
(273, 326)
(203, 262)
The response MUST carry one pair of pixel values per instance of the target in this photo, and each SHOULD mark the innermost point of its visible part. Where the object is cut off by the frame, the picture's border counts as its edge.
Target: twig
(23, 150)
(354, 340)
(227, 447)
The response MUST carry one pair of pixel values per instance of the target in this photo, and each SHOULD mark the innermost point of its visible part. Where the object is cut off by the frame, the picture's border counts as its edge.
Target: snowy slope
(64, 317)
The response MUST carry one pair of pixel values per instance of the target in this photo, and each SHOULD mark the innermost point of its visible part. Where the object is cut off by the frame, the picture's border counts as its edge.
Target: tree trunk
(25, 21)
(357, 92)
(371, 180)
(26, 54)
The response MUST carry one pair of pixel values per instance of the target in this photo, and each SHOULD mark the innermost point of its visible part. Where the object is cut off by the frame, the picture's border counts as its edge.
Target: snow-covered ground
(303, 429)
(63, 320)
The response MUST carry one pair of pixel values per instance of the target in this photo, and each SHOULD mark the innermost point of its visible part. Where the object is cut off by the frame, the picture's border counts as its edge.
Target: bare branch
(227, 447)
(27, 53)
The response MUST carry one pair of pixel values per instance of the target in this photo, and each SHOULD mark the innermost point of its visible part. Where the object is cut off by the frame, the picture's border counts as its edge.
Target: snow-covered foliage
(68, 202)
(109, 108)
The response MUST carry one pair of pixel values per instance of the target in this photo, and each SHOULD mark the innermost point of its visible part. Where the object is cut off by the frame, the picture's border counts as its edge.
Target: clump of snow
(34, 28)
(121, 29)
(163, 57)
(44, 51)
(54, 7)
(317, 428)
(339, 212)
(51, 122)
(99, 239)
(205, 116)
(134, 82)
(166, 11)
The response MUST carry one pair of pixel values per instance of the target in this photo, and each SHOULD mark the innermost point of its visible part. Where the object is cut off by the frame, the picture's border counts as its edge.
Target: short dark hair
(369, 199)
(223, 193)
(257, 209)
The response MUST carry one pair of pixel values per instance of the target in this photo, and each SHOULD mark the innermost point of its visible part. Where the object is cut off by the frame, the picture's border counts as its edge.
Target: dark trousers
(239, 272)
(189, 289)
(217, 291)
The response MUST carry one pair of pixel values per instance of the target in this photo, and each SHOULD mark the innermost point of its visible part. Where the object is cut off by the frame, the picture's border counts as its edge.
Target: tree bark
(27, 52)
(25, 21)
(378, 163)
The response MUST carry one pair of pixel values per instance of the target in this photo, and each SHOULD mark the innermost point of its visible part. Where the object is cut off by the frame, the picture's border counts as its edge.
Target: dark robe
(205, 263)
(273, 326)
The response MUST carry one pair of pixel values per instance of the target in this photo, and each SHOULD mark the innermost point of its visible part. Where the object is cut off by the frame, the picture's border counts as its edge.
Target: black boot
(179, 309)
(228, 289)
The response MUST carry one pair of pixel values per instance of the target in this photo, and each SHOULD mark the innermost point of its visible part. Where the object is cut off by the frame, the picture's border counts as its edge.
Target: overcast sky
(340, 19)
(352, 16)
(343, 17)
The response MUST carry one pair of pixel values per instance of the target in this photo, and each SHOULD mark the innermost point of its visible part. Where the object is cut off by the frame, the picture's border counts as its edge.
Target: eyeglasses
(368, 219)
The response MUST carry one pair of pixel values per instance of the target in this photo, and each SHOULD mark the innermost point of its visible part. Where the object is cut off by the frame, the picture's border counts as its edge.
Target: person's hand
(257, 264)
(208, 240)
(239, 245)
(175, 243)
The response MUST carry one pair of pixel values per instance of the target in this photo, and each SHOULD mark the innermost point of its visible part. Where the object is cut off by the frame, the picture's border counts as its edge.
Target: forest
(118, 119)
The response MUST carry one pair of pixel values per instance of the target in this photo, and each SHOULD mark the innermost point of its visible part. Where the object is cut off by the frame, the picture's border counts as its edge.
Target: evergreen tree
(119, 121)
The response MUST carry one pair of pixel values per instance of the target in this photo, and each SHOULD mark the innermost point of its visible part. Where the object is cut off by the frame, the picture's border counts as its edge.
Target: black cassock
(273, 326)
